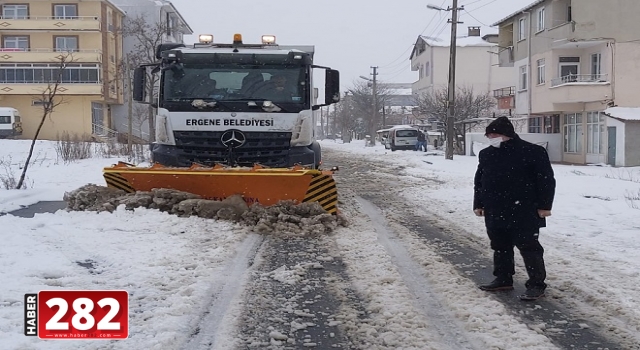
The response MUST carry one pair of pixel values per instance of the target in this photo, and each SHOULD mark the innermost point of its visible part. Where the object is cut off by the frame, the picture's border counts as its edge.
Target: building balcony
(581, 79)
(49, 55)
(85, 23)
(36, 89)
(504, 92)
(505, 57)
(580, 88)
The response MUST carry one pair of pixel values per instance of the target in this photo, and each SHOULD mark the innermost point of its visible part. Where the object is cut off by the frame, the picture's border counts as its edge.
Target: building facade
(574, 61)
(476, 63)
(35, 36)
(164, 24)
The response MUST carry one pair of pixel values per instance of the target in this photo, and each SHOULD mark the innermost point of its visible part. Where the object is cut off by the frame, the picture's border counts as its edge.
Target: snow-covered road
(402, 275)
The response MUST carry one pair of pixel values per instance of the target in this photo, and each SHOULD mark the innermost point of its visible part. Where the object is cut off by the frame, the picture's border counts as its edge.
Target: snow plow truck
(234, 118)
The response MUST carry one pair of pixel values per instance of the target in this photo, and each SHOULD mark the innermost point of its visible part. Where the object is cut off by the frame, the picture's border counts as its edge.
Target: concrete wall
(72, 116)
(476, 67)
(554, 146)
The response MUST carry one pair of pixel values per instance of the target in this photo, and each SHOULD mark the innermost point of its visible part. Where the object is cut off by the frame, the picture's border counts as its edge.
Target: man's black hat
(502, 126)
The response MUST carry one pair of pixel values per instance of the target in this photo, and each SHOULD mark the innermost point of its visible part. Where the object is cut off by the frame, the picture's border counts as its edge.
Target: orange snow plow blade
(266, 186)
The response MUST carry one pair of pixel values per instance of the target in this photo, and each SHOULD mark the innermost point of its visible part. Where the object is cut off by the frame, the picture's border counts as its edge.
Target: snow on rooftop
(624, 113)
(460, 41)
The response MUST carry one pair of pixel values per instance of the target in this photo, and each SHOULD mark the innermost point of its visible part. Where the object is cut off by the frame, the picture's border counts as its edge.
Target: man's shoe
(532, 293)
(497, 284)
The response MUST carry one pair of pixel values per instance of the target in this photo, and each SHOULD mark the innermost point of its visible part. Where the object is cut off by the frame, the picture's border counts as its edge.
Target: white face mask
(495, 142)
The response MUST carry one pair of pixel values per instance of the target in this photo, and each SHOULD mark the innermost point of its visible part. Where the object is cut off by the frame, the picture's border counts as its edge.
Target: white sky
(349, 35)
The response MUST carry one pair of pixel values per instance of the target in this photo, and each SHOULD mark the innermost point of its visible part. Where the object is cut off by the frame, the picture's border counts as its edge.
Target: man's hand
(479, 212)
(544, 213)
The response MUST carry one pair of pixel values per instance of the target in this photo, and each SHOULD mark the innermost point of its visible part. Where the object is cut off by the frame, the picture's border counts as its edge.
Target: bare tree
(362, 104)
(48, 99)
(468, 105)
(147, 35)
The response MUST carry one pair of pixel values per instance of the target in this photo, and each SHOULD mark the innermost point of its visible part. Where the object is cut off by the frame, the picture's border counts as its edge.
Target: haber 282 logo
(77, 314)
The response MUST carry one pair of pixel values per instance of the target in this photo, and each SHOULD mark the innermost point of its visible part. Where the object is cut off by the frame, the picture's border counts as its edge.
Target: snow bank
(285, 219)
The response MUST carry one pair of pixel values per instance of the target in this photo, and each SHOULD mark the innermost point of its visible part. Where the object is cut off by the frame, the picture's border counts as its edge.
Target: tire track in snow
(547, 316)
(298, 297)
(226, 290)
(428, 303)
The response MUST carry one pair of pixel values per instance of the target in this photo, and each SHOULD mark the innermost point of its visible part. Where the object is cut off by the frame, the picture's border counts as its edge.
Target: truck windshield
(279, 84)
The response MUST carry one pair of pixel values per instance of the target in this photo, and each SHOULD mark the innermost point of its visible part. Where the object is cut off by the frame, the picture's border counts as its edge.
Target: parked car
(10, 123)
(403, 138)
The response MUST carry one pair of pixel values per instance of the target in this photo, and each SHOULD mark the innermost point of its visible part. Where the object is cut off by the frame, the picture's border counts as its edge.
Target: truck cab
(235, 104)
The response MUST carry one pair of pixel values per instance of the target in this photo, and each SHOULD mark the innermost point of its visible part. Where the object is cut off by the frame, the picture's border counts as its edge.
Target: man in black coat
(514, 188)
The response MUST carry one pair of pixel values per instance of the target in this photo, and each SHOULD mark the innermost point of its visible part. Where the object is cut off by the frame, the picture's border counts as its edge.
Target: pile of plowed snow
(283, 219)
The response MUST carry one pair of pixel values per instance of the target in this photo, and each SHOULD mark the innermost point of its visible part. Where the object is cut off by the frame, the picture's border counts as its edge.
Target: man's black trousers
(502, 243)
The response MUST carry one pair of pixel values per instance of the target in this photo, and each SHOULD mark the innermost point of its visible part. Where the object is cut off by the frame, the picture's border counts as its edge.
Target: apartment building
(160, 15)
(476, 63)
(34, 35)
(577, 75)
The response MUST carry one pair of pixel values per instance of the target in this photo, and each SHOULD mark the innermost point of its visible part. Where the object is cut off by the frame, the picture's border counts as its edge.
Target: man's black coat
(511, 183)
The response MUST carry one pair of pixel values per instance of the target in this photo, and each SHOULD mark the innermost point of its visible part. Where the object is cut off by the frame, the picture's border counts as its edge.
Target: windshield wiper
(269, 107)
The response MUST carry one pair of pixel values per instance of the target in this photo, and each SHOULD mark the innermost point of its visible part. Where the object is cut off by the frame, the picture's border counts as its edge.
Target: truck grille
(204, 147)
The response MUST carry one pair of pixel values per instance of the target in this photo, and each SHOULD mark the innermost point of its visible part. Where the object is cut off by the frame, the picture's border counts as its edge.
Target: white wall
(620, 139)
(554, 147)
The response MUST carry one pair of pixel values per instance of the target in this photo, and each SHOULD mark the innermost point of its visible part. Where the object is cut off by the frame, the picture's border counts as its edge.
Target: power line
(477, 20)
(411, 46)
(479, 7)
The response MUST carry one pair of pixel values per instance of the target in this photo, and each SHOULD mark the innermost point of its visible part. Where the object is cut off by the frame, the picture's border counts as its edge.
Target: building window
(16, 43)
(15, 11)
(573, 133)
(540, 23)
(67, 11)
(426, 69)
(66, 43)
(522, 28)
(596, 68)
(569, 15)
(39, 73)
(541, 72)
(569, 69)
(535, 125)
(110, 21)
(523, 78)
(551, 124)
(169, 23)
(595, 133)
(97, 118)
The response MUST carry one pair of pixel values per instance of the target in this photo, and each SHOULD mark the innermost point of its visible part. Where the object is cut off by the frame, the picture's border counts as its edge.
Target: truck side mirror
(139, 84)
(332, 87)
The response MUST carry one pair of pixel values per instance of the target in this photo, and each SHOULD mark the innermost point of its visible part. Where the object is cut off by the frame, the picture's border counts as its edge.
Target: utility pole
(129, 78)
(375, 106)
(452, 81)
(452, 75)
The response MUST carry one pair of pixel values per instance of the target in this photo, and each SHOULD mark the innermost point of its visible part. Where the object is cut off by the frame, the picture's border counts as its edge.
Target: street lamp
(434, 7)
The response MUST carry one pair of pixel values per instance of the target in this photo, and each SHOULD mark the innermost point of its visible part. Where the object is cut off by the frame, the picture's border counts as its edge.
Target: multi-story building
(164, 24)
(35, 34)
(476, 63)
(577, 75)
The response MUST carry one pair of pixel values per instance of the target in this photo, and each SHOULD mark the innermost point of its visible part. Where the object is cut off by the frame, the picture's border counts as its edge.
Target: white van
(10, 123)
(402, 138)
